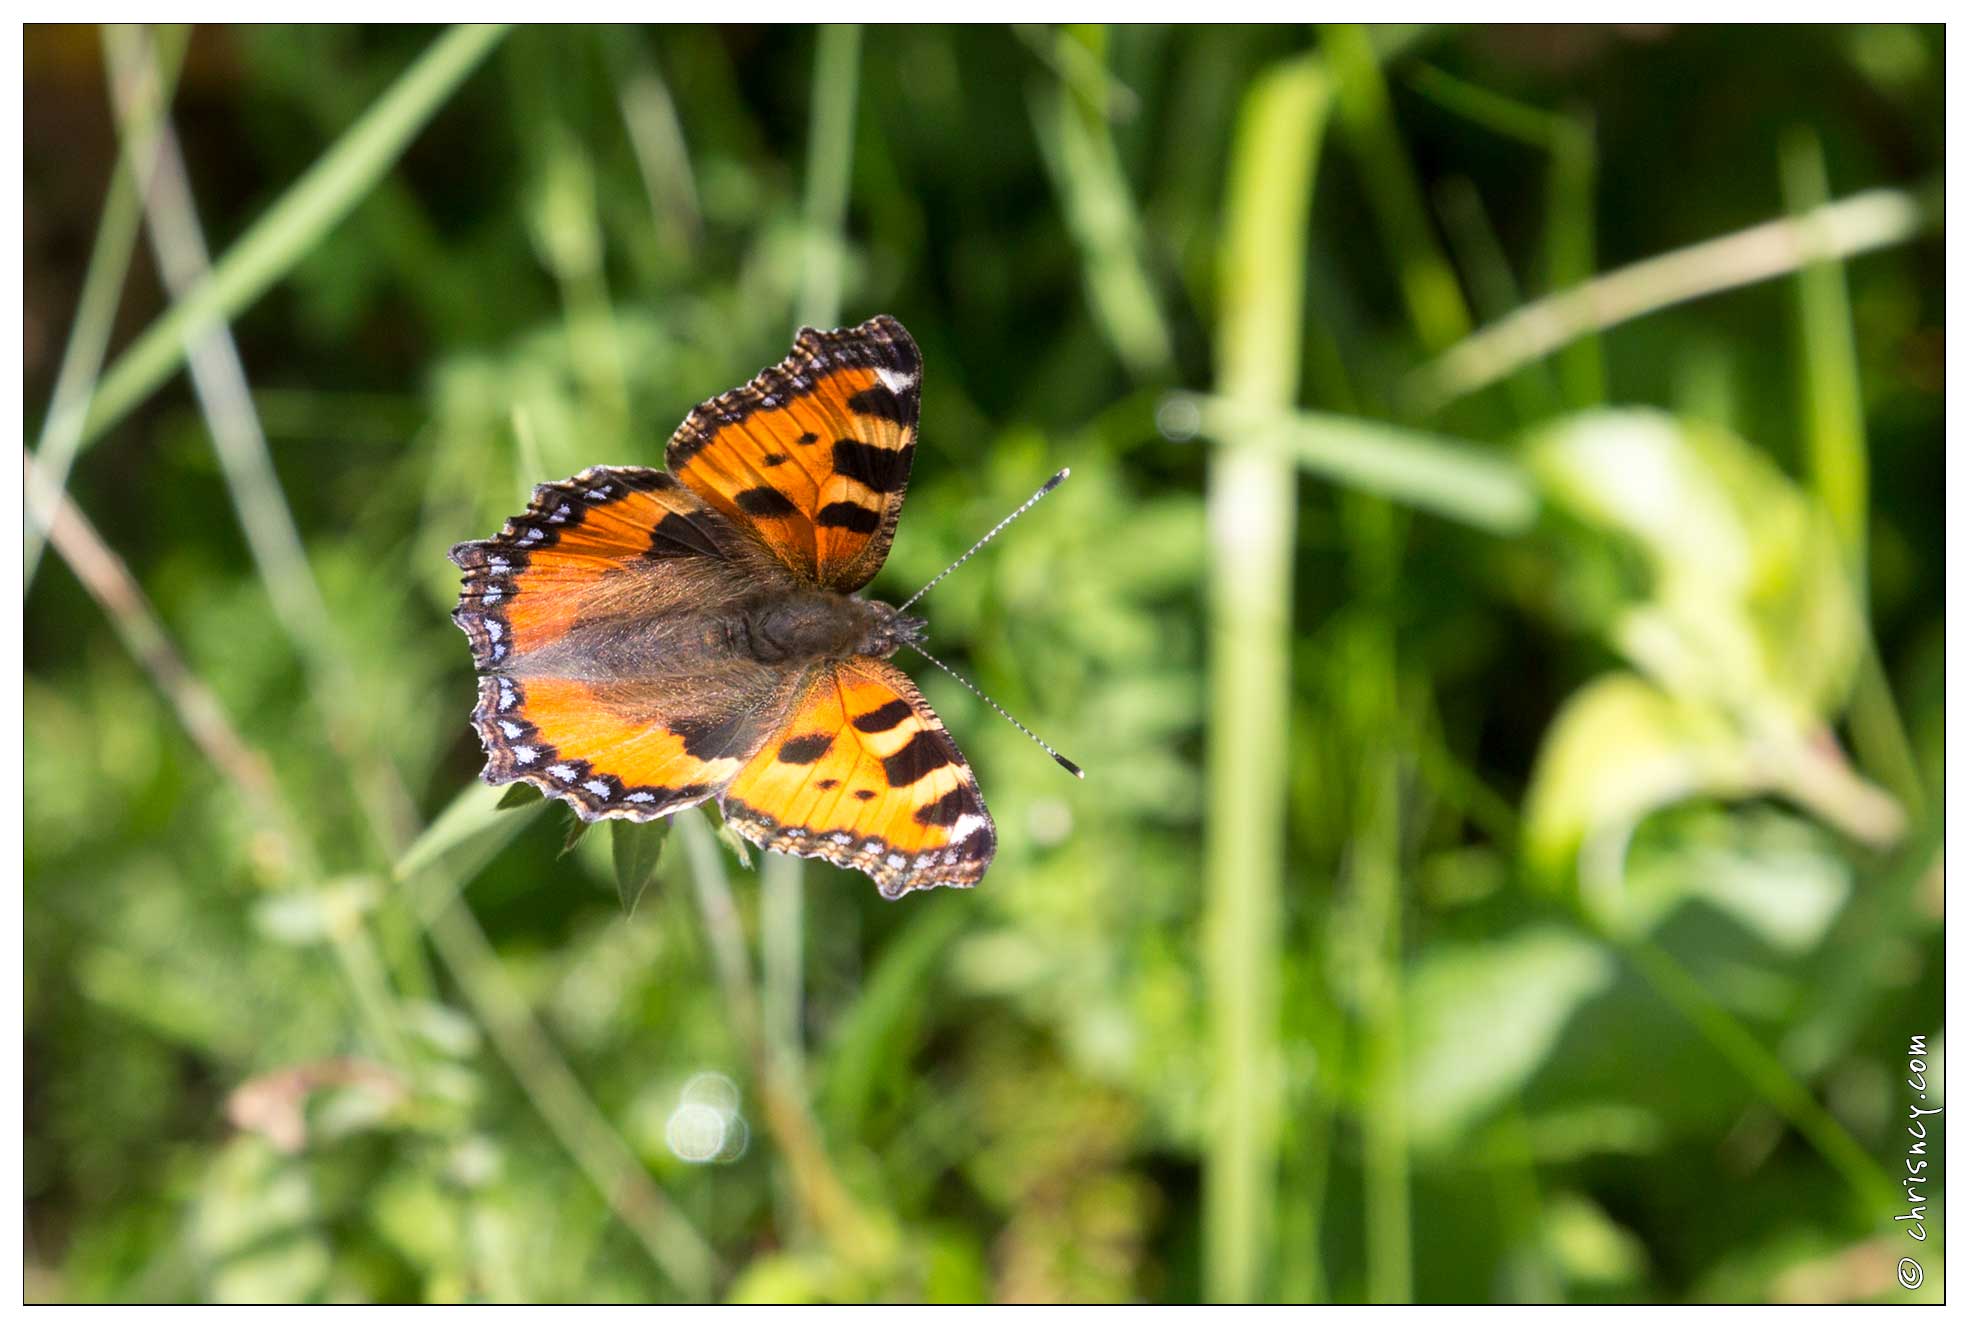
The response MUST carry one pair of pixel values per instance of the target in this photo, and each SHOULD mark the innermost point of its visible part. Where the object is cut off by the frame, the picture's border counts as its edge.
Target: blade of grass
(1834, 421)
(102, 289)
(656, 137)
(1374, 713)
(1829, 377)
(1531, 125)
(290, 229)
(219, 382)
(1569, 250)
(1078, 65)
(830, 167)
(1492, 286)
(567, 228)
(1249, 505)
(1866, 221)
(1077, 146)
(1568, 143)
(1872, 1189)
(1432, 472)
(1435, 301)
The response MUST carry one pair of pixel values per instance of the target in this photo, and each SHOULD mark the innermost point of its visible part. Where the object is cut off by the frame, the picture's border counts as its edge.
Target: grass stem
(1866, 221)
(1249, 507)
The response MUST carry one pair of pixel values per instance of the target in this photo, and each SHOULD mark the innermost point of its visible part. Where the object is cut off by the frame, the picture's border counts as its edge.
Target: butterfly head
(888, 630)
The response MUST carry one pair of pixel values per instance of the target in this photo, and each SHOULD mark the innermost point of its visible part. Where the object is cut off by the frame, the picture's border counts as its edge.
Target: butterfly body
(649, 640)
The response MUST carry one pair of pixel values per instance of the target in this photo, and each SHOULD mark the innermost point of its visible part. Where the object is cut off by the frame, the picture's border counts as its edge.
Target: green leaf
(637, 845)
(1482, 1018)
(1620, 748)
(575, 830)
(518, 795)
(1744, 599)
(731, 840)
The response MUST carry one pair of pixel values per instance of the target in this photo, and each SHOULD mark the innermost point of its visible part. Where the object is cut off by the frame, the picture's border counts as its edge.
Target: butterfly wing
(813, 455)
(863, 775)
(589, 616)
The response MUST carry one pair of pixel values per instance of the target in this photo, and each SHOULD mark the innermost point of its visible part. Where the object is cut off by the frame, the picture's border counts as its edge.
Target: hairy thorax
(804, 626)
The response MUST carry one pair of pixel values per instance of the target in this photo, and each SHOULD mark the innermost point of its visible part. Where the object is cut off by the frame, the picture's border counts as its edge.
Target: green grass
(1471, 896)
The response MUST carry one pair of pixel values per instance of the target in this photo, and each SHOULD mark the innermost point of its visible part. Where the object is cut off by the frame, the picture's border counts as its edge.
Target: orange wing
(578, 612)
(863, 775)
(607, 751)
(813, 455)
(611, 541)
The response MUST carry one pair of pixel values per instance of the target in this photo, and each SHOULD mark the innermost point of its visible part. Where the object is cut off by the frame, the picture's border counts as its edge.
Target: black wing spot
(884, 470)
(898, 407)
(884, 717)
(679, 537)
(864, 794)
(946, 810)
(806, 749)
(849, 517)
(826, 784)
(710, 738)
(808, 439)
(773, 459)
(764, 501)
(927, 751)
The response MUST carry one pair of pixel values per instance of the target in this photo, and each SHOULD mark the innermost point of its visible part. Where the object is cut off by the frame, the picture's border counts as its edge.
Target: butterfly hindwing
(813, 455)
(615, 750)
(863, 775)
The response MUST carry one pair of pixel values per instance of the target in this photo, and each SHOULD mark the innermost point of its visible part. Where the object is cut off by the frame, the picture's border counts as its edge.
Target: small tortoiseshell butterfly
(648, 640)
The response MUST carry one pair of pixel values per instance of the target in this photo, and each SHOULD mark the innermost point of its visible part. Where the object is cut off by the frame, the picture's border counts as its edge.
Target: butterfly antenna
(1017, 512)
(1051, 751)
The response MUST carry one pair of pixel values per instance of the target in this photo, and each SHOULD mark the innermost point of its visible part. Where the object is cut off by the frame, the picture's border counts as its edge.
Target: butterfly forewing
(814, 454)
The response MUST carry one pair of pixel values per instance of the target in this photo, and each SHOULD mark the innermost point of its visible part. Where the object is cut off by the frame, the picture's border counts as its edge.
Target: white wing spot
(512, 730)
(597, 788)
(525, 756)
(561, 771)
(895, 382)
(642, 796)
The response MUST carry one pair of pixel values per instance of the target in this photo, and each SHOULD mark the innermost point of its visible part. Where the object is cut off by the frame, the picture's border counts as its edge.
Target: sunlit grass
(1353, 972)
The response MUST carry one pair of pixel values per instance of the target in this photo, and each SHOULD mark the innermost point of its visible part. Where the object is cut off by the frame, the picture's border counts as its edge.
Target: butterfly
(650, 640)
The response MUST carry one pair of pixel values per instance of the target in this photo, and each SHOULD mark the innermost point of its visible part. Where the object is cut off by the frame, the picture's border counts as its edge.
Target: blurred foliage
(1597, 956)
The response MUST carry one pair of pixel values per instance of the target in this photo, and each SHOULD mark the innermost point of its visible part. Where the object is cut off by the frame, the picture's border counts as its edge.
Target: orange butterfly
(648, 640)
